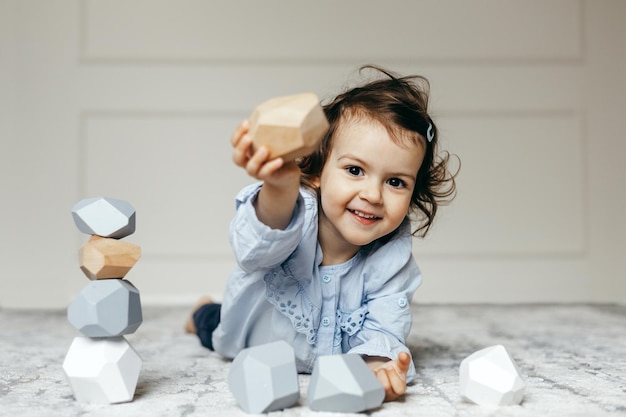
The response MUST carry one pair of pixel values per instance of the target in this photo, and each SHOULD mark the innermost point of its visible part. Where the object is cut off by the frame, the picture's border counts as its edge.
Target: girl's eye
(356, 171)
(396, 182)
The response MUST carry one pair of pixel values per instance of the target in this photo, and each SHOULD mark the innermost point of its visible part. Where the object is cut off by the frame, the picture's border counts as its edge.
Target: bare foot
(190, 326)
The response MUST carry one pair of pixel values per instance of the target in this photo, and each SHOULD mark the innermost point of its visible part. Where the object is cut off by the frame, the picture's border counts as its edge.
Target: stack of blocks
(101, 366)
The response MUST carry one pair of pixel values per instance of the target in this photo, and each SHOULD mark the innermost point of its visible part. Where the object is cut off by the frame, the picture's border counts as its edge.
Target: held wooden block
(290, 126)
(102, 258)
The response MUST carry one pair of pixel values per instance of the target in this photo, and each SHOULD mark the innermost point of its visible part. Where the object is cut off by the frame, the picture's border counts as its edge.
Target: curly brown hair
(399, 103)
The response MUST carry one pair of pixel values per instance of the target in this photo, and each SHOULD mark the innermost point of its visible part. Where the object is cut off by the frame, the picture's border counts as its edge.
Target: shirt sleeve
(388, 319)
(256, 245)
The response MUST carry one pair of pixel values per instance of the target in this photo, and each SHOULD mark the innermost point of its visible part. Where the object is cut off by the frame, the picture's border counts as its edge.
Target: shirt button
(402, 302)
(326, 279)
(325, 321)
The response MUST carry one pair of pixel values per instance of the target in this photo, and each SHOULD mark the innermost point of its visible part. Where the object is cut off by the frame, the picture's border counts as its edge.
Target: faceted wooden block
(102, 257)
(264, 378)
(290, 126)
(102, 370)
(106, 217)
(106, 308)
(491, 377)
(344, 383)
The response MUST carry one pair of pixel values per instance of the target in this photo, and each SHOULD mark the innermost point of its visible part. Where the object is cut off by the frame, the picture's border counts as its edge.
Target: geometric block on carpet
(344, 383)
(264, 378)
(102, 370)
(491, 377)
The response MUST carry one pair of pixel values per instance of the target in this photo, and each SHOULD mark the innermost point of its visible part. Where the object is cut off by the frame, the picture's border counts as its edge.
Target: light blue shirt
(279, 290)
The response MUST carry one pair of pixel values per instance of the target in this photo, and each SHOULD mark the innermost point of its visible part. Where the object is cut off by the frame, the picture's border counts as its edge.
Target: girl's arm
(392, 276)
(275, 203)
(281, 181)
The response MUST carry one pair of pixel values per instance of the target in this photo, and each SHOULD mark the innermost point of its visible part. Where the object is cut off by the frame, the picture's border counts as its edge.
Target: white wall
(136, 99)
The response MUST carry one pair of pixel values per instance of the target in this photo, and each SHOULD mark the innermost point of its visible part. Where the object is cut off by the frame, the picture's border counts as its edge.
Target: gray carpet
(572, 357)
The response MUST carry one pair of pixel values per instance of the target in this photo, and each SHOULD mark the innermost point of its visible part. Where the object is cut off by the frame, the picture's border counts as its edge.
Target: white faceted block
(491, 377)
(102, 371)
(344, 383)
(106, 217)
(264, 378)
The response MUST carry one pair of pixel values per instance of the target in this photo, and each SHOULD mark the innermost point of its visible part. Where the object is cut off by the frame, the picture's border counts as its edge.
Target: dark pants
(206, 319)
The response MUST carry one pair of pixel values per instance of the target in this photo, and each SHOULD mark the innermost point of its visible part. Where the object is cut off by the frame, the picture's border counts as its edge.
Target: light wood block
(104, 258)
(289, 126)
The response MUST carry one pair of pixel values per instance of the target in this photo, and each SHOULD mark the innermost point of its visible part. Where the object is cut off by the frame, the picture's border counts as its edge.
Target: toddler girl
(323, 245)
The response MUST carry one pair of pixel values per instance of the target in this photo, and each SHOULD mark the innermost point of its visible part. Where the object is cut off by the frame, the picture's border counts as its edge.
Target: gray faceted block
(103, 216)
(264, 378)
(106, 308)
(344, 383)
(102, 370)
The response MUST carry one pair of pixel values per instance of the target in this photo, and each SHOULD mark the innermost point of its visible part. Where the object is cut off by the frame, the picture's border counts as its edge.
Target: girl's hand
(281, 181)
(392, 375)
(274, 172)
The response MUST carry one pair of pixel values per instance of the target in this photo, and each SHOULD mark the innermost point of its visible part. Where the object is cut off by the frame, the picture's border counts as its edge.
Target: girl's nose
(372, 194)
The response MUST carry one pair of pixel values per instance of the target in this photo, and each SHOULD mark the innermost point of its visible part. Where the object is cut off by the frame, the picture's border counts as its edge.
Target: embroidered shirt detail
(351, 323)
(289, 297)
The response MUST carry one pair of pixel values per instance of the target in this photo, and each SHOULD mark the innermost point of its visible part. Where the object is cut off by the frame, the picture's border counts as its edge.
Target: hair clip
(429, 133)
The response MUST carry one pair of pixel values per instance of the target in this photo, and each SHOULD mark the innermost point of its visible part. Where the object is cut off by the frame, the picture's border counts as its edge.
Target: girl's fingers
(397, 372)
(392, 376)
(255, 163)
(383, 378)
(240, 157)
(404, 361)
(397, 381)
(241, 152)
(394, 384)
(239, 132)
(270, 167)
(253, 166)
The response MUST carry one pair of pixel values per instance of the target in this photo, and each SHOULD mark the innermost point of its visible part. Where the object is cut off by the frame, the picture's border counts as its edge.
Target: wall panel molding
(194, 31)
(521, 191)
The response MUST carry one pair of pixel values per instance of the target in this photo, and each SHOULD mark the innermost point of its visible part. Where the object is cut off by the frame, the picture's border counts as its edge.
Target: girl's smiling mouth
(364, 218)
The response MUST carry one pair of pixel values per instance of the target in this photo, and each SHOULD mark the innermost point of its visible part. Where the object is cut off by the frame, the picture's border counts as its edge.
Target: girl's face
(366, 187)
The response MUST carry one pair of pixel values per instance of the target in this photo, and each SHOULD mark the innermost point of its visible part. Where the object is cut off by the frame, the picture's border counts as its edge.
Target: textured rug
(572, 357)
